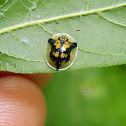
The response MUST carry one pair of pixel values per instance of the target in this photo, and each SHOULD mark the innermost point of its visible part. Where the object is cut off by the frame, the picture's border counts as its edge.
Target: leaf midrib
(36, 22)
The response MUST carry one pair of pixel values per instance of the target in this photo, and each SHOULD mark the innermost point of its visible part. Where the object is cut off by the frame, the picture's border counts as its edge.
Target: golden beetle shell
(61, 51)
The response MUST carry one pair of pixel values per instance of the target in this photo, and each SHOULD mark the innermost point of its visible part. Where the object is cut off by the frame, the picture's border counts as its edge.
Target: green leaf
(26, 26)
(89, 97)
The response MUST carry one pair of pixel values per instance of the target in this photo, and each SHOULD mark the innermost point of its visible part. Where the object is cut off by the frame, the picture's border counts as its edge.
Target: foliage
(89, 97)
(25, 27)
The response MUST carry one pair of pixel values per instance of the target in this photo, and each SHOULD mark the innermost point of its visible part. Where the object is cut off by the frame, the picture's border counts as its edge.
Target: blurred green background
(88, 97)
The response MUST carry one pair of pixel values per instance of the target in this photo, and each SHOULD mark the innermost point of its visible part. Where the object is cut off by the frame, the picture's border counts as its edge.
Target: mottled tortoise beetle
(61, 51)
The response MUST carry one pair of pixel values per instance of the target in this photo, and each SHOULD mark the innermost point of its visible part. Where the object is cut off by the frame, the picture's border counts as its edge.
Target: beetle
(61, 51)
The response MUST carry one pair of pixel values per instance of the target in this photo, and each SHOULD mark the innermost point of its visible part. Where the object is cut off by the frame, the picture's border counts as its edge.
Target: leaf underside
(26, 26)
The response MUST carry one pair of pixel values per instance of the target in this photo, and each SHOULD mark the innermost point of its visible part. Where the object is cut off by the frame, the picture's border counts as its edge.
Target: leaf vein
(59, 17)
(45, 29)
(88, 4)
(121, 54)
(9, 7)
(17, 38)
(30, 9)
(5, 2)
(64, 9)
(20, 57)
(114, 22)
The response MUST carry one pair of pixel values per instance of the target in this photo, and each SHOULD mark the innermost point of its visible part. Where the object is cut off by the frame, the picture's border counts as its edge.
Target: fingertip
(21, 102)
